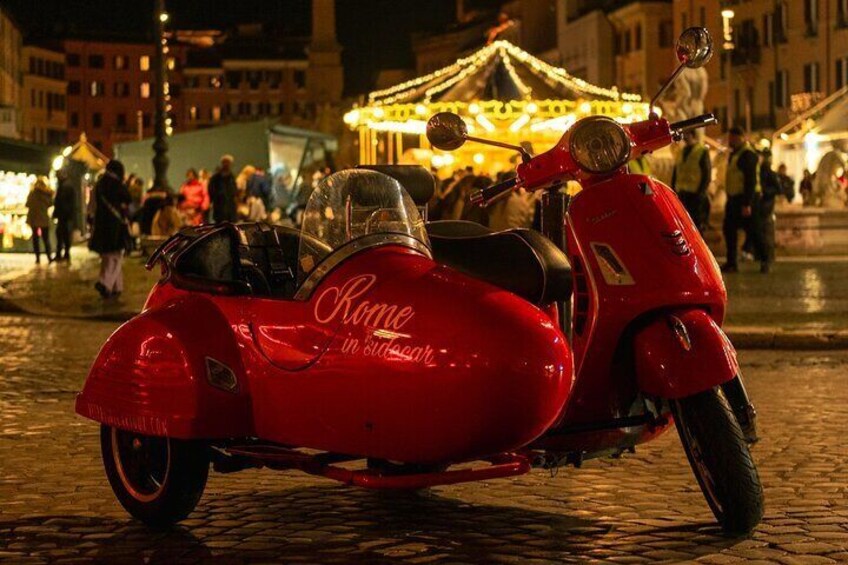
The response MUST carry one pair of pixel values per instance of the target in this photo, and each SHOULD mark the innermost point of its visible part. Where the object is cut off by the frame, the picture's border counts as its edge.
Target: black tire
(158, 480)
(720, 458)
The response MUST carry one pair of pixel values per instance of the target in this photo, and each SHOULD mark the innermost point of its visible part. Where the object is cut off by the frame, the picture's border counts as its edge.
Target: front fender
(681, 353)
(155, 375)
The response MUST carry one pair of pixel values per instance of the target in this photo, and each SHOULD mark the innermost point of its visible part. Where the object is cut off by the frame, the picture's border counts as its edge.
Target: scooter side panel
(153, 374)
(631, 218)
(427, 366)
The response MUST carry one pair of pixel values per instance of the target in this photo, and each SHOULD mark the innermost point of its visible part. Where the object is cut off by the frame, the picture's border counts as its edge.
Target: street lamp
(160, 126)
(728, 45)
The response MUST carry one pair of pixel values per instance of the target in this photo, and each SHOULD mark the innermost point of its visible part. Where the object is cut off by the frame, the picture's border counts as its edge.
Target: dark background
(375, 34)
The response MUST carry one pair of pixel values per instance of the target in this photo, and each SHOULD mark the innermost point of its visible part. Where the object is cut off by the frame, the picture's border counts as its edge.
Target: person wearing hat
(691, 178)
(742, 184)
(222, 192)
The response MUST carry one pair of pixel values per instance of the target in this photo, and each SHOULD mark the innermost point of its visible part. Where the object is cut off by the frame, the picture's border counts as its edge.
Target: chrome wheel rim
(143, 463)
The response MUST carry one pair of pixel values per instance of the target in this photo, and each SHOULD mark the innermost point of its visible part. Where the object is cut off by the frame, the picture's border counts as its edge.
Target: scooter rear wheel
(158, 480)
(720, 458)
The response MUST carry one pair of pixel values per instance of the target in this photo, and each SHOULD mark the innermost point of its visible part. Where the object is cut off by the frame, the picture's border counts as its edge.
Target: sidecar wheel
(158, 480)
(720, 458)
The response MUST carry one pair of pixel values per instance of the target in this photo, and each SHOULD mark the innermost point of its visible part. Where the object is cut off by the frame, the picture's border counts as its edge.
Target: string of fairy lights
(166, 87)
(404, 108)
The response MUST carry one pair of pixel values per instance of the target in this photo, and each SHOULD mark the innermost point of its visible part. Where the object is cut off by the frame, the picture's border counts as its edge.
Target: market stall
(289, 153)
(20, 164)
(501, 91)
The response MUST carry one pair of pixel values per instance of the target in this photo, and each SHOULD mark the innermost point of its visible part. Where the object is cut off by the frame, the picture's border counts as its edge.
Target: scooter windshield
(353, 210)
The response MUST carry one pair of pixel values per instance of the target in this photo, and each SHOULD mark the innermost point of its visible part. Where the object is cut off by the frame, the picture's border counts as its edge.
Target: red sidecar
(345, 337)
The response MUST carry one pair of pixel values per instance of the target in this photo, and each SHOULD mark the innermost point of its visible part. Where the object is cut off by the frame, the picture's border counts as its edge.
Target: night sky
(375, 34)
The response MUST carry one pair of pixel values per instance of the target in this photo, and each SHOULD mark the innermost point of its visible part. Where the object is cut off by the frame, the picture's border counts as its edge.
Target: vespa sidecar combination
(344, 337)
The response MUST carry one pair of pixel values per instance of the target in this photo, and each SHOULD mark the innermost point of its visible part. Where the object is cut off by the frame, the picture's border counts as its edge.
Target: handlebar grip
(485, 196)
(683, 126)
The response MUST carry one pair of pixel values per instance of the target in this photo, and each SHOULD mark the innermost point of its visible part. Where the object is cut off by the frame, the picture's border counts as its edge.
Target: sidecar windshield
(360, 206)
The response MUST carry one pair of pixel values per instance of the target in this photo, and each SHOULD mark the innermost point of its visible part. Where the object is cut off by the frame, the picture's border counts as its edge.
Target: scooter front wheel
(158, 480)
(720, 458)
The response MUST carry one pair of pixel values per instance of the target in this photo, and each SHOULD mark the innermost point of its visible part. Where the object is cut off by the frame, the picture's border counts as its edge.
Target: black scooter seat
(521, 261)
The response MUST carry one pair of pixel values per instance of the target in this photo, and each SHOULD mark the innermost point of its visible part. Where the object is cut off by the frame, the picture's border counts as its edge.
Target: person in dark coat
(154, 201)
(109, 237)
(222, 192)
(743, 188)
(64, 210)
(38, 201)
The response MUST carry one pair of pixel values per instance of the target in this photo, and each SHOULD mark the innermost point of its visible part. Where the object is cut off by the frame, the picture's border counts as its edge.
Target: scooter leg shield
(681, 353)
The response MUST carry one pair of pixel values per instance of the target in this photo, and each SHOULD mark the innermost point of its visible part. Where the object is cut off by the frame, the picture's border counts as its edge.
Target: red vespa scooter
(648, 300)
(344, 350)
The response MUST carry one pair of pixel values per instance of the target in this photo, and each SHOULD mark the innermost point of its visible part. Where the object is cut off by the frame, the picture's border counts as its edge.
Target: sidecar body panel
(426, 365)
(154, 375)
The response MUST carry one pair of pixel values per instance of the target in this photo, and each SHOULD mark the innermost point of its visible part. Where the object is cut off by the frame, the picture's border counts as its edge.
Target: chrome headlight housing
(599, 144)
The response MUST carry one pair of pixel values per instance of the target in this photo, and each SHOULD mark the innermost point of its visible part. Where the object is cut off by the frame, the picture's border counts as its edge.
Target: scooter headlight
(599, 144)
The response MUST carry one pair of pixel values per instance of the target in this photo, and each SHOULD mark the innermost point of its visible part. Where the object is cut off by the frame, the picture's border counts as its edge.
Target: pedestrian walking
(691, 178)
(110, 236)
(154, 200)
(195, 201)
(64, 211)
(806, 188)
(742, 184)
(259, 185)
(222, 192)
(167, 221)
(38, 202)
(773, 185)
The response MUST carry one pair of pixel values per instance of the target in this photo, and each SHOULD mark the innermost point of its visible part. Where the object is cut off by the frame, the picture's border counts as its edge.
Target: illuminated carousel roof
(497, 86)
(499, 71)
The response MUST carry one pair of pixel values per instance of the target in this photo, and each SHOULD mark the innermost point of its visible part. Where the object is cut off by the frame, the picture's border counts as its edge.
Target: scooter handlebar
(486, 196)
(681, 127)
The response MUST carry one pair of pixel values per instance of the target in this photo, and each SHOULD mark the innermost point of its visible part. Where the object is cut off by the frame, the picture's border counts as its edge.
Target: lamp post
(160, 143)
(728, 45)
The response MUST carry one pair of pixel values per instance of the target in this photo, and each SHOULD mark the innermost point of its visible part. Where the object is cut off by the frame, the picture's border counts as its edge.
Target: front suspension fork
(743, 409)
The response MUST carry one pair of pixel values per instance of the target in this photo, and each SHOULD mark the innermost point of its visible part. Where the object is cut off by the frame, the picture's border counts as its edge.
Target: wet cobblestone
(56, 506)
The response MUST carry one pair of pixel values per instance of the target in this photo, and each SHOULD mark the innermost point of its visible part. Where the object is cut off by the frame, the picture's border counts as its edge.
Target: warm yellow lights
(535, 115)
(479, 158)
(58, 162)
(519, 123)
(484, 121)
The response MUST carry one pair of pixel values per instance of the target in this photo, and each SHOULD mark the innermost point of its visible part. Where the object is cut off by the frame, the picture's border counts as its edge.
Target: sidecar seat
(521, 261)
(251, 258)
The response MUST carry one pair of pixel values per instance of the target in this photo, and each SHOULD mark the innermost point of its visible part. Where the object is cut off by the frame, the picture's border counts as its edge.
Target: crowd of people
(752, 188)
(123, 216)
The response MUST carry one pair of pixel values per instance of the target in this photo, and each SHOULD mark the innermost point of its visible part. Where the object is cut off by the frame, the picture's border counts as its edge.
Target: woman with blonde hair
(38, 202)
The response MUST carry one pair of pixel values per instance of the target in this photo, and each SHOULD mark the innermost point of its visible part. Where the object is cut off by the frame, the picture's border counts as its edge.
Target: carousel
(501, 91)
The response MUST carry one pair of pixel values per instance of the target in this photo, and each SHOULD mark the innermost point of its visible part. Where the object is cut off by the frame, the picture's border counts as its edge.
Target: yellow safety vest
(735, 180)
(687, 170)
(639, 166)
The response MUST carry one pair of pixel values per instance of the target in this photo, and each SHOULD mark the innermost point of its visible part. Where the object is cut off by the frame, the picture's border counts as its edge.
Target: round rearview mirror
(694, 47)
(446, 131)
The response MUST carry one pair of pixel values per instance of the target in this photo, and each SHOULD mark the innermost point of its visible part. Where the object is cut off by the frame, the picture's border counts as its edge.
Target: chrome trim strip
(338, 256)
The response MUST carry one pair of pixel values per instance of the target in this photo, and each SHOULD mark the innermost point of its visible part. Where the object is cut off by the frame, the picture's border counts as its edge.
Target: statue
(687, 98)
(828, 190)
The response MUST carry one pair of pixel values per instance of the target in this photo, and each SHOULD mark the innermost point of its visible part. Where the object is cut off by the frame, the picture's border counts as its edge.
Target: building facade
(628, 45)
(111, 93)
(44, 113)
(777, 57)
(586, 45)
(644, 46)
(11, 43)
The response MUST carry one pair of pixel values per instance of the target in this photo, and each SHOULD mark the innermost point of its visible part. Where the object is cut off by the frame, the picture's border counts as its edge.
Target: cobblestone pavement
(56, 506)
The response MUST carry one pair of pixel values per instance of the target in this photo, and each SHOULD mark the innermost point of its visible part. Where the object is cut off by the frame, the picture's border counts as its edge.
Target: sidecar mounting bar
(279, 457)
